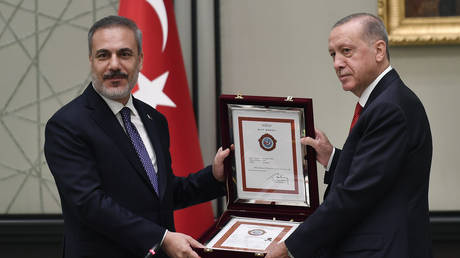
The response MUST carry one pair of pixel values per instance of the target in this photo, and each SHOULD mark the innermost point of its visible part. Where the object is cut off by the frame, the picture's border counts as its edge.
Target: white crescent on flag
(160, 9)
(151, 91)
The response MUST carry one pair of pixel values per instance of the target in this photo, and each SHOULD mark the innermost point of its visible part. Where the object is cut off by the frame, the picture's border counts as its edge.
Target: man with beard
(109, 155)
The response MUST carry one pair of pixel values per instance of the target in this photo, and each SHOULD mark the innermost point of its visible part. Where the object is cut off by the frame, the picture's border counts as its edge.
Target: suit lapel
(154, 135)
(104, 118)
(382, 85)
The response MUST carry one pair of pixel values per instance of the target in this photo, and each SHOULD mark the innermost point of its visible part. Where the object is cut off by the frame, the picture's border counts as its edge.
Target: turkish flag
(163, 84)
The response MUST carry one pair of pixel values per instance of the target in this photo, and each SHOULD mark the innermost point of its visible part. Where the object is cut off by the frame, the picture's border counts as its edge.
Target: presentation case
(271, 178)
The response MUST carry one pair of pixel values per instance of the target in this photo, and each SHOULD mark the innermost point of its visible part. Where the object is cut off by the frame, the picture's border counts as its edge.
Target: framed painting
(421, 22)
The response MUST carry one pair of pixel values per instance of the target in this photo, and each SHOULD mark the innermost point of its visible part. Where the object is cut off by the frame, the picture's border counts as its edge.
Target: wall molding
(445, 225)
(22, 229)
(26, 229)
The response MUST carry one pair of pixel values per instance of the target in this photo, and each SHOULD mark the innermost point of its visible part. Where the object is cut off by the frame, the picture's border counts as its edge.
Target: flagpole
(218, 73)
(195, 68)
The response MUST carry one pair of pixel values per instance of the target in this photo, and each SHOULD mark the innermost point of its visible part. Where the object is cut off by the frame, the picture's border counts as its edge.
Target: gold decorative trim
(239, 96)
(417, 31)
(289, 98)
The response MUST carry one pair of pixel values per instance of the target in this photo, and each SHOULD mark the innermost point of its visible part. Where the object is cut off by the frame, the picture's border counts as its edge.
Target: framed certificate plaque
(271, 177)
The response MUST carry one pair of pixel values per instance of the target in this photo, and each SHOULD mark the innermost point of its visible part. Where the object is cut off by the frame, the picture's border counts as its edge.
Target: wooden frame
(276, 210)
(417, 30)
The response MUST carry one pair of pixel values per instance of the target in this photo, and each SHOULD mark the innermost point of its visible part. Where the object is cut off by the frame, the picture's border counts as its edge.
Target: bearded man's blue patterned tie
(139, 147)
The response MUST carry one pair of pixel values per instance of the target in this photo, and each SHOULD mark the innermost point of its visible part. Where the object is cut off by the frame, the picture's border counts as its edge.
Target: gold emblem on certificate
(267, 142)
(256, 232)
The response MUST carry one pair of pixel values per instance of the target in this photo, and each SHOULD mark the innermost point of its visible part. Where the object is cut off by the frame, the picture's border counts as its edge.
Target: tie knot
(358, 109)
(126, 113)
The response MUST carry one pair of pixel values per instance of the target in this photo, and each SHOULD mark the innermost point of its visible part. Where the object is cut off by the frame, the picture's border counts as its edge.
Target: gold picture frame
(417, 30)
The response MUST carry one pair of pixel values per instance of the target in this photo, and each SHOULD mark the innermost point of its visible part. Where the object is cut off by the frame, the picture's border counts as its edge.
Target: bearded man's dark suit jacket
(377, 204)
(110, 208)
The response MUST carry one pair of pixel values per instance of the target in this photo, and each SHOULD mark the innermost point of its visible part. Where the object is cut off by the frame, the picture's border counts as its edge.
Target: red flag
(163, 84)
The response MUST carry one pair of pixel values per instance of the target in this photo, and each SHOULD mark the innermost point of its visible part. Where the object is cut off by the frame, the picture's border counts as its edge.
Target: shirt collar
(367, 92)
(116, 106)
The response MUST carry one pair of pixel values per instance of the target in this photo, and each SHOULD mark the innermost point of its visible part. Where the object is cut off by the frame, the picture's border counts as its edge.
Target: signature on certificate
(277, 178)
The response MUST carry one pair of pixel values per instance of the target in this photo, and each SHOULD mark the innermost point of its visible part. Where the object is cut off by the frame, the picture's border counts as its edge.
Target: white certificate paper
(268, 154)
(246, 234)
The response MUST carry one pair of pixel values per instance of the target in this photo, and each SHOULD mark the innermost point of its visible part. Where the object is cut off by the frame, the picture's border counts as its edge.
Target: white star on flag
(151, 92)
